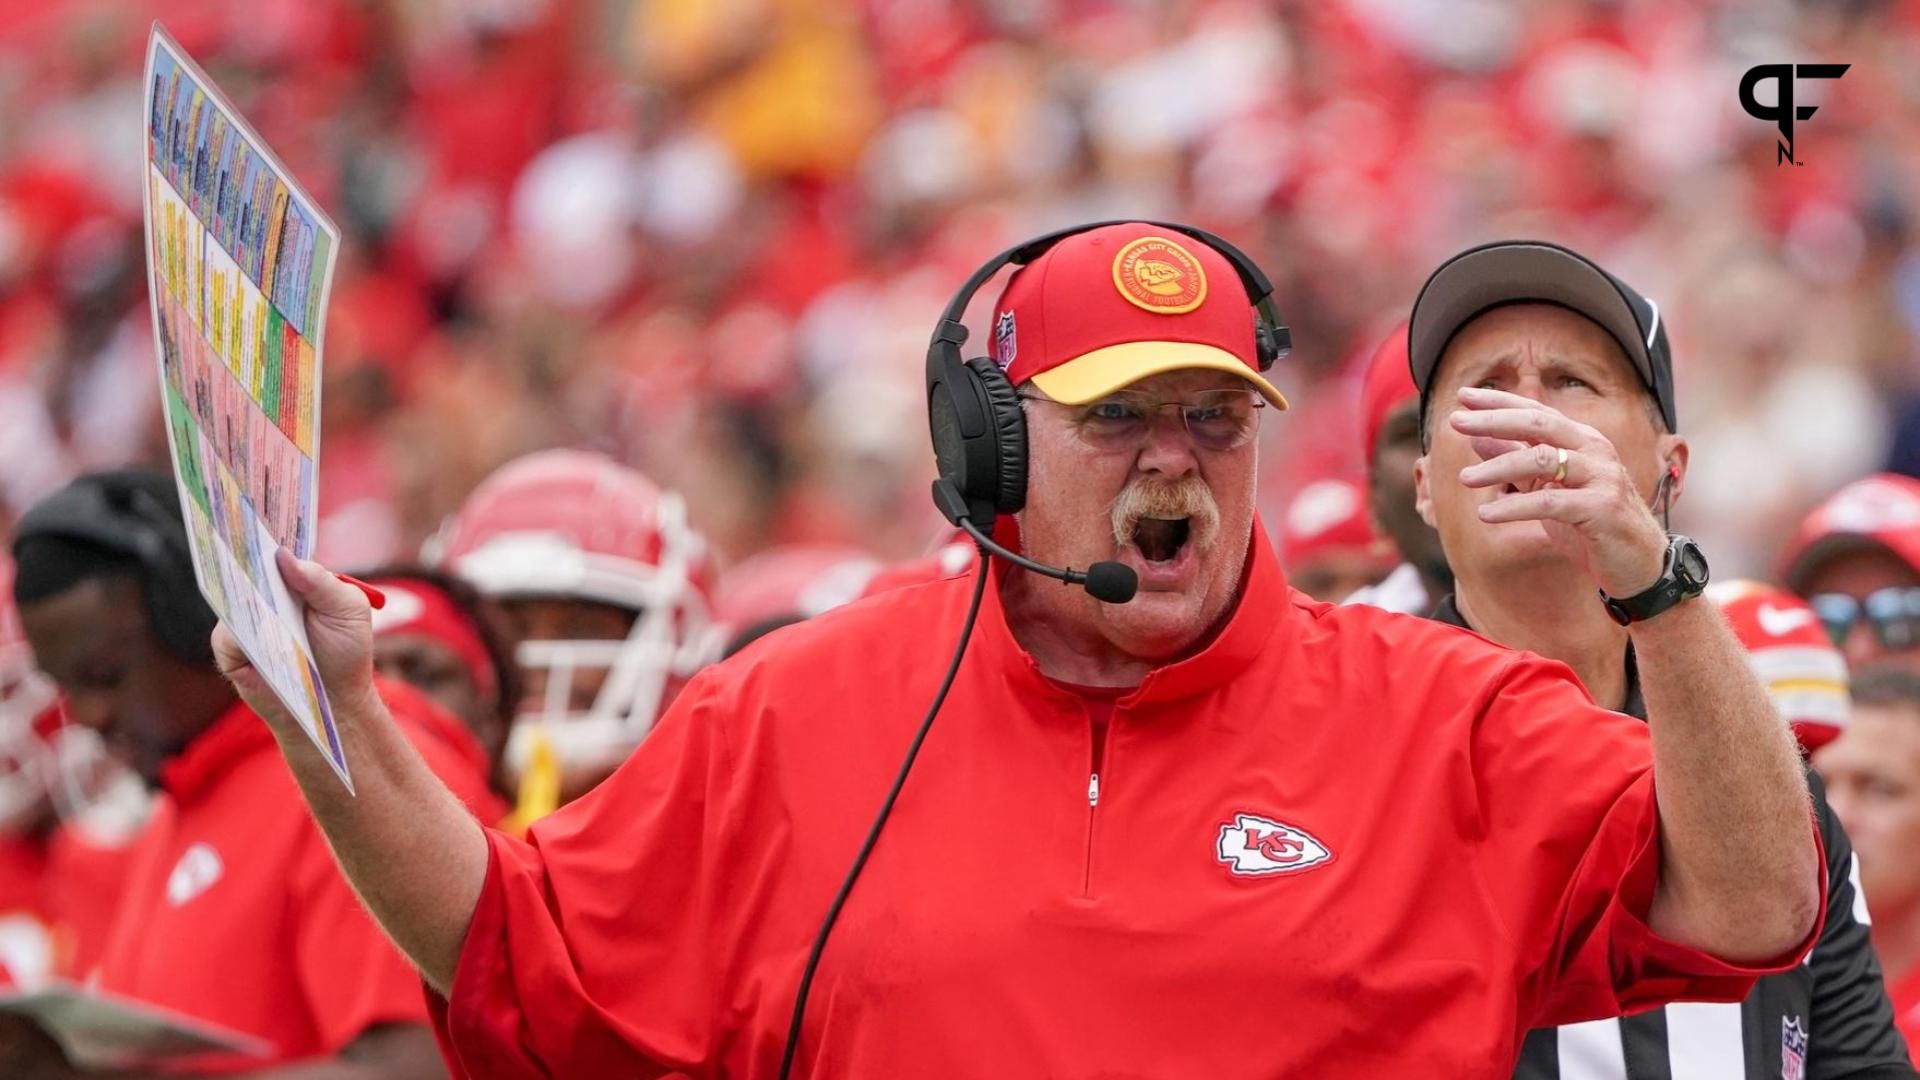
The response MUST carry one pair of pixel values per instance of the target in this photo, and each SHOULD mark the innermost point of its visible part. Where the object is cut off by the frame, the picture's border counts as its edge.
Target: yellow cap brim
(1092, 376)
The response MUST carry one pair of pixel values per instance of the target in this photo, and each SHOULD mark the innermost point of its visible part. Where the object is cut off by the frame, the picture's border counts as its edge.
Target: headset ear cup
(180, 616)
(1271, 341)
(1009, 432)
(1265, 350)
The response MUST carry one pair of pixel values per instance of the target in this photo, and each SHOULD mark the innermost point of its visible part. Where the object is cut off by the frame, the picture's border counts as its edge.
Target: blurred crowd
(709, 237)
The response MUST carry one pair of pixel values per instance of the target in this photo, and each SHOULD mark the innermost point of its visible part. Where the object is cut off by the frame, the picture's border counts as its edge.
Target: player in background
(1327, 542)
(440, 636)
(1791, 653)
(232, 911)
(1390, 443)
(67, 815)
(785, 585)
(605, 587)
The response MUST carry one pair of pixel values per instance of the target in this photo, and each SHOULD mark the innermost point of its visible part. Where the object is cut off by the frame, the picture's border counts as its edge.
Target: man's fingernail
(374, 596)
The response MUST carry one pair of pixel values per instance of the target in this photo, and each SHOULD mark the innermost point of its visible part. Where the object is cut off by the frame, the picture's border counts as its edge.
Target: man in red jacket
(231, 911)
(1218, 830)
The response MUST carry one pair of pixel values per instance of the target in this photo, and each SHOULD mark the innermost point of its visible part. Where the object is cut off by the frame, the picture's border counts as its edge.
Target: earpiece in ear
(1663, 494)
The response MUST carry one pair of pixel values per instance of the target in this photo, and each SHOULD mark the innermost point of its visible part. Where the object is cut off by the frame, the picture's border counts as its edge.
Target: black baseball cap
(1534, 271)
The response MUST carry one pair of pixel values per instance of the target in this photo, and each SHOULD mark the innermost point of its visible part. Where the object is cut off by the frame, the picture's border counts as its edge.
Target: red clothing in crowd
(235, 912)
(1335, 843)
(1906, 1011)
(57, 899)
(27, 943)
(83, 888)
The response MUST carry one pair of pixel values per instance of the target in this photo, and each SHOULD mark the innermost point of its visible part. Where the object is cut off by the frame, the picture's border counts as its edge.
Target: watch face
(1690, 564)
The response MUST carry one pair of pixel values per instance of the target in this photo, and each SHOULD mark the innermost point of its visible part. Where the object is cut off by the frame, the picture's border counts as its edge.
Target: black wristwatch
(1683, 577)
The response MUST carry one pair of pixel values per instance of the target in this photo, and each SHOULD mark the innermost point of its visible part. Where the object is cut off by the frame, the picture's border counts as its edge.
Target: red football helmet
(1804, 673)
(576, 525)
(796, 579)
(951, 555)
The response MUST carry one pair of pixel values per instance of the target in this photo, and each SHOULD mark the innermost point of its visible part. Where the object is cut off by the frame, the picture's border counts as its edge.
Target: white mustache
(1188, 498)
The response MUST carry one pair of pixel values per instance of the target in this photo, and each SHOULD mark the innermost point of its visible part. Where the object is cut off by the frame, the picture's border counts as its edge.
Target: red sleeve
(1566, 797)
(351, 976)
(590, 951)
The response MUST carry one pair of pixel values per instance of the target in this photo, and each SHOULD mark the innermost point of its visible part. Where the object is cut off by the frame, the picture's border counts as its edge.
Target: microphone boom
(1108, 582)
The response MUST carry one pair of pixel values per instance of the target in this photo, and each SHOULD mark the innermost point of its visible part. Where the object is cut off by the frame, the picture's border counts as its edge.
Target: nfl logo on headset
(1793, 1049)
(1004, 344)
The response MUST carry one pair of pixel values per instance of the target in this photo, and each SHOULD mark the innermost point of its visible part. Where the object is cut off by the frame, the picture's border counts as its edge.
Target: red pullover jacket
(1336, 843)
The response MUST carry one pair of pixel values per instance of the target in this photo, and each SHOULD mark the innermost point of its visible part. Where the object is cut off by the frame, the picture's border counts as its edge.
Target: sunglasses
(1893, 614)
(1216, 420)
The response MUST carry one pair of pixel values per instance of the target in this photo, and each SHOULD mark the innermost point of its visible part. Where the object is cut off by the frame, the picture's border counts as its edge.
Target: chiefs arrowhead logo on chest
(200, 866)
(1253, 846)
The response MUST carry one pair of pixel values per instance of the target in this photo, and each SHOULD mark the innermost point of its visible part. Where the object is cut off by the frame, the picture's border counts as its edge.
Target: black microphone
(1108, 582)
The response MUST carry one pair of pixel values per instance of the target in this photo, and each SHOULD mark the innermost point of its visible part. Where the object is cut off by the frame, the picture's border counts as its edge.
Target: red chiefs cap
(1389, 382)
(1791, 653)
(1108, 307)
(1327, 516)
(1882, 510)
(416, 606)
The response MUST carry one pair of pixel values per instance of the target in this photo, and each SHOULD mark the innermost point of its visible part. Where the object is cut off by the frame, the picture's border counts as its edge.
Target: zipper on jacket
(1100, 734)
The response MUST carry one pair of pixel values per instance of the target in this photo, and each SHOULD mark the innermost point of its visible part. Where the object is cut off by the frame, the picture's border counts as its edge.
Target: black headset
(979, 429)
(117, 512)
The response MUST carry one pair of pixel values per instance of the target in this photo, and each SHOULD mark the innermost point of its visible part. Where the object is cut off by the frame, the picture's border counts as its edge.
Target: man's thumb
(317, 587)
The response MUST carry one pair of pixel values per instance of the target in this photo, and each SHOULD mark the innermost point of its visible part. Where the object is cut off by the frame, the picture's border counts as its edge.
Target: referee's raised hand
(1567, 476)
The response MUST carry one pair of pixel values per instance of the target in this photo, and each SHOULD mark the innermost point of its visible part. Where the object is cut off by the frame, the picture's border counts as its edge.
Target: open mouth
(1160, 539)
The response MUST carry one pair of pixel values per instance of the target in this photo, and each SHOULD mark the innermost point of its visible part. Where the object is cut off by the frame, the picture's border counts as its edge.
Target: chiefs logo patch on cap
(1160, 276)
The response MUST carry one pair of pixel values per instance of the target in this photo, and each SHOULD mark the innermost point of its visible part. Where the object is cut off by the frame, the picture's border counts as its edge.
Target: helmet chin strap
(538, 792)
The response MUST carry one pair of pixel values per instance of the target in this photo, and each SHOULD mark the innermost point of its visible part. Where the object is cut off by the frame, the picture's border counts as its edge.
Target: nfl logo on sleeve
(1255, 846)
(1793, 1049)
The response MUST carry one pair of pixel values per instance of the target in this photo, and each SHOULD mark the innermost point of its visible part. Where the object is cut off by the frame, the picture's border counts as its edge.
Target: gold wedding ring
(1560, 470)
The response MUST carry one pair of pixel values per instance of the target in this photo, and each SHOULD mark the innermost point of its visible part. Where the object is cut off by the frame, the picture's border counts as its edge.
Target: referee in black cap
(1531, 325)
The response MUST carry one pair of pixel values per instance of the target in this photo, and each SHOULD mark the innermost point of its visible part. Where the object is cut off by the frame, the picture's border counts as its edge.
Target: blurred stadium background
(711, 236)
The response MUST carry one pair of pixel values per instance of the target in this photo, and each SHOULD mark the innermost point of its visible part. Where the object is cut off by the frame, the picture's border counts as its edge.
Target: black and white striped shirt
(1828, 1018)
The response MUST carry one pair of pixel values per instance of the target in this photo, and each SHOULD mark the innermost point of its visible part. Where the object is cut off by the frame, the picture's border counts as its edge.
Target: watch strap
(1669, 589)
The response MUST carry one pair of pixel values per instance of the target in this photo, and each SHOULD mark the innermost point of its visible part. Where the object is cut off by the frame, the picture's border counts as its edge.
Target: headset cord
(873, 834)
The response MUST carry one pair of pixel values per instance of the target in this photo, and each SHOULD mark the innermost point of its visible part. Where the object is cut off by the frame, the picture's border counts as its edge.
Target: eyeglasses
(1216, 420)
(1893, 613)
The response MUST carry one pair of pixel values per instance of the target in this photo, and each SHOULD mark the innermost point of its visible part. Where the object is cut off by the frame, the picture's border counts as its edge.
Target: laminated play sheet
(239, 263)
